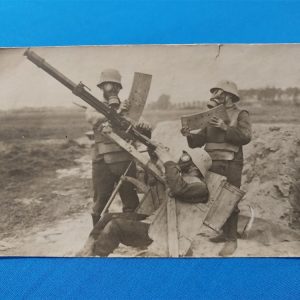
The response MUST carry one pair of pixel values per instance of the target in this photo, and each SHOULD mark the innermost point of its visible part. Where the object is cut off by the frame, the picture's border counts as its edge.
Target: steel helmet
(229, 87)
(201, 159)
(110, 75)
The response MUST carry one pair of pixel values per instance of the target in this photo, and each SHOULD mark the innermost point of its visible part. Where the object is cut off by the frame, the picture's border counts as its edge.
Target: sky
(185, 72)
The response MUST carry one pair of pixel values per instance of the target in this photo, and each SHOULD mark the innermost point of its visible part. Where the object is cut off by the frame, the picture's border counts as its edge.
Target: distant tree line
(163, 102)
(272, 95)
(268, 95)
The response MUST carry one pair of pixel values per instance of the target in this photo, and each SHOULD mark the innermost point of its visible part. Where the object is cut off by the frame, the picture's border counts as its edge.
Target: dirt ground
(46, 191)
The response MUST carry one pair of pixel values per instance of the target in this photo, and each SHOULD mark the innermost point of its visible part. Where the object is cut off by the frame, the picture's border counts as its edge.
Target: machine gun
(121, 125)
(123, 129)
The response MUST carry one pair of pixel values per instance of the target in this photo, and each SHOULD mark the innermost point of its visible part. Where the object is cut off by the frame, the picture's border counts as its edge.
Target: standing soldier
(109, 160)
(224, 141)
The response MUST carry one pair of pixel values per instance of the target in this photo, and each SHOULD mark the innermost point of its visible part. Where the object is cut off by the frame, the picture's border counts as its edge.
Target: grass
(45, 124)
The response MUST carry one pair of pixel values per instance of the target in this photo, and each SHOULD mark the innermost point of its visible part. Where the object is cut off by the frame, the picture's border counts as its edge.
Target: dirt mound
(271, 166)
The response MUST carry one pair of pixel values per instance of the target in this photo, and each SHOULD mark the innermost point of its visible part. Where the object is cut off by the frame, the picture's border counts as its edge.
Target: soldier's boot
(87, 249)
(230, 231)
(95, 219)
(228, 248)
(189, 253)
(221, 238)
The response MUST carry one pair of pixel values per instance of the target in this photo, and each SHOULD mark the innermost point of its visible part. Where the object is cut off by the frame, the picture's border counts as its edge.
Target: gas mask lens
(217, 93)
(107, 87)
(185, 157)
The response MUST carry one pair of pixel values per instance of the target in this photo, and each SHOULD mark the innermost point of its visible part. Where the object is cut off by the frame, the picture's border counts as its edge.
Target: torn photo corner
(150, 151)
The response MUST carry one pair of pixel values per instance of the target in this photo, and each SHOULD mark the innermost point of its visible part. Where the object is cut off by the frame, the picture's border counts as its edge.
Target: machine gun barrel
(41, 63)
(117, 121)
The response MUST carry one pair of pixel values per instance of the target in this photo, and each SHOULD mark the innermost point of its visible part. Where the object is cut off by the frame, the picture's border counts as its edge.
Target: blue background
(41, 23)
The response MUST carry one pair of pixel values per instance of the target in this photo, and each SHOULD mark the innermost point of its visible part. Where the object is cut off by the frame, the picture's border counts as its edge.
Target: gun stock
(123, 127)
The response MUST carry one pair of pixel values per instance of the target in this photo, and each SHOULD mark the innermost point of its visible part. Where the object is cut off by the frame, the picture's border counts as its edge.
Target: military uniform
(225, 149)
(131, 229)
(109, 162)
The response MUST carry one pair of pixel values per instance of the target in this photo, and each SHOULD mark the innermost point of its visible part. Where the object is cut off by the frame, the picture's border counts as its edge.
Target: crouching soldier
(224, 142)
(185, 180)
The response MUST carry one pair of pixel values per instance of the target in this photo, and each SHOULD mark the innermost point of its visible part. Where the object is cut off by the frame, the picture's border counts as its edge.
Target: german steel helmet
(227, 86)
(201, 160)
(110, 75)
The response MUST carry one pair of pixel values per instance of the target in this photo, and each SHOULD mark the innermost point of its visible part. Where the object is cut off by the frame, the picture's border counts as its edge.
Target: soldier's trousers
(125, 228)
(105, 177)
(232, 170)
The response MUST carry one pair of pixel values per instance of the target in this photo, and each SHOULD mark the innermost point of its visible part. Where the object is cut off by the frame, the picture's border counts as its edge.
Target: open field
(35, 124)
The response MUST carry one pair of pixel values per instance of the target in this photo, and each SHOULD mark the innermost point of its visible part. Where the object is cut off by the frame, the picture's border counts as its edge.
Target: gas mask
(185, 162)
(218, 98)
(110, 93)
(187, 165)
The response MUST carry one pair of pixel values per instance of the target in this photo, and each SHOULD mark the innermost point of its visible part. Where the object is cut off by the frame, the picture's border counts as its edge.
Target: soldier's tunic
(109, 162)
(225, 149)
(131, 229)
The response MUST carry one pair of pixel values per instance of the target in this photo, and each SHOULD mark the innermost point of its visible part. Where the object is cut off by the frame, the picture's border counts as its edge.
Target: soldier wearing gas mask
(109, 160)
(223, 141)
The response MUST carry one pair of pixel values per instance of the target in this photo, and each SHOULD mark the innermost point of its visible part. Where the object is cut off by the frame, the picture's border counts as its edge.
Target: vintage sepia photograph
(150, 151)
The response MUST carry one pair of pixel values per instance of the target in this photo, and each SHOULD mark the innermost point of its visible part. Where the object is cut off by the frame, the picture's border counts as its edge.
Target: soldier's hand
(144, 126)
(124, 106)
(218, 123)
(185, 131)
(107, 128)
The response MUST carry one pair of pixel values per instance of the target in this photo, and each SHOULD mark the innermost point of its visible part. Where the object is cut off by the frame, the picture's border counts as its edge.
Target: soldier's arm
(93, 117)
(189, 192)
(197, 139)
(240, 134)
